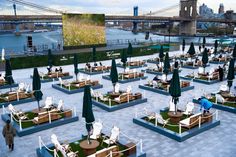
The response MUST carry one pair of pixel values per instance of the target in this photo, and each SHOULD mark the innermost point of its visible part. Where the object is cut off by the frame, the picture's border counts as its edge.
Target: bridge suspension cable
(162, 10)
(36, 6)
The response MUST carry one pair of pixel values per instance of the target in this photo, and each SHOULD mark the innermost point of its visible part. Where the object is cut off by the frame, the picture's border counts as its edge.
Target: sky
(109, 7)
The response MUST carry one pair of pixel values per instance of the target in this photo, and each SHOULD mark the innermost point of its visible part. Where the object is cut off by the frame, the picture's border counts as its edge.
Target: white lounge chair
(101, 97)
(163, 77)
(64, 149)
(20, 115)
(21, 87)
(117, 88)
(115, 132)
(59, 107)
(97, 130)
(129, 89)
(149, 115)
(162, 121)
(48, 103)
(200, 70)
(189, 108)
(127, 70)
(224, 88)
(155, 84)
(81, 77)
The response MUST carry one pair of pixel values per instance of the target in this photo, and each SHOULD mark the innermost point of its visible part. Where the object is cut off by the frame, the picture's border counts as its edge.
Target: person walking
(9, 133)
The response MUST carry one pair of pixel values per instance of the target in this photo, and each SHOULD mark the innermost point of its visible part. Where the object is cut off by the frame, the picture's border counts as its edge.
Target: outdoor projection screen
(83, 30)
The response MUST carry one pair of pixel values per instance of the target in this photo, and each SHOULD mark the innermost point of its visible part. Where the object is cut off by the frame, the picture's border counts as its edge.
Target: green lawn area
(231, 104)
(172, 128)
(75, 147)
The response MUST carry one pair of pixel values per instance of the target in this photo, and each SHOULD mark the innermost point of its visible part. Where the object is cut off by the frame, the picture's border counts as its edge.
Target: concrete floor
(217, 142)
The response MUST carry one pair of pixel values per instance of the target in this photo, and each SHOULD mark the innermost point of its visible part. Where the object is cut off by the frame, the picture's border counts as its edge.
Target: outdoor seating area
(93, 70)
(17, 96)
(101, 145)
(76, 86)
(178, 125)
(213, 76)
(45, 117)
(219, 59)
(162, 86)
(53, 76)
(191, 64)
(159, 70)
(133, 64)
(222, 100)
(129, 75)
(117, 99)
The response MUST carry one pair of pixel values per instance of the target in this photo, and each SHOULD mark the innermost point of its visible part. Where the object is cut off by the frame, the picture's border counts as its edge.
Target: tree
(204, 59)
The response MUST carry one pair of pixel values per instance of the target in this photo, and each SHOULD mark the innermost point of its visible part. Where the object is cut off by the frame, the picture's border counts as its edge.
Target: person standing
(205, 104)
(9, 133)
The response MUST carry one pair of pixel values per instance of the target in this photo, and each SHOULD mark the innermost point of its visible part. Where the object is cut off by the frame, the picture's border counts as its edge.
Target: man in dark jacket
(9, 133)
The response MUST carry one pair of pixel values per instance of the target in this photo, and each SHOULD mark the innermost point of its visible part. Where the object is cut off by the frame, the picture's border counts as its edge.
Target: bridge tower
(188, 11)
(135, 24)
(17, 25)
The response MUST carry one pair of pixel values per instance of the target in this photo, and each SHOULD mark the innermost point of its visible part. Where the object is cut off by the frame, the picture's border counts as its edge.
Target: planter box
(152, 61)
(67, 91)
(43, 152)
(131, 67)
(220, 107)
(173, 135)
(217, 62)
(40, 127)
(156, 73)
(9, 86)
(94, 72)
(163, 91)
(200, 81)
(118, 106)
(191, 67)
(17, 102)
(55, 79)
(107, 77)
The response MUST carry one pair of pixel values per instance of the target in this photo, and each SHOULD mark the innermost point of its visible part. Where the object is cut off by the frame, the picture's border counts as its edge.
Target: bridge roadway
(108, 18)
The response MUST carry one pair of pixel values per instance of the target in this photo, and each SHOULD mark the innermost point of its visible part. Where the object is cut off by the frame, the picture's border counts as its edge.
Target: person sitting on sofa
(156, 78)
(205, 104)
(100, 63)
(56, 70)
(60, 70)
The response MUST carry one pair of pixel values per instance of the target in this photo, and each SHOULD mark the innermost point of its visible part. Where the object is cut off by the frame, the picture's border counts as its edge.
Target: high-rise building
(205, 11)
(221, 9)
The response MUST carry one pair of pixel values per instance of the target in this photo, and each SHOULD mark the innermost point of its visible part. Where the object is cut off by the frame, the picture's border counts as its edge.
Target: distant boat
(41, 30)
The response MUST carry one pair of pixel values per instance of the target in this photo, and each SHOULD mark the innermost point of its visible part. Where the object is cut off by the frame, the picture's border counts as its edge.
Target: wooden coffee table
(175, 118)
(89, 148)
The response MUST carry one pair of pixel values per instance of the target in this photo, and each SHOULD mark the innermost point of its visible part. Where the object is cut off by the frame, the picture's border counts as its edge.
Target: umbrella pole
(38, 105)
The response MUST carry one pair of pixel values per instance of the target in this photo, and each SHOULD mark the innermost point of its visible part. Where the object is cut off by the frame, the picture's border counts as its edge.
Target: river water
(17, 44)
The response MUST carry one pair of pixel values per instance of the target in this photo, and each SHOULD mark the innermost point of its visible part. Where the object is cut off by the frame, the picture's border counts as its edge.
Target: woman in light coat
(8, 133)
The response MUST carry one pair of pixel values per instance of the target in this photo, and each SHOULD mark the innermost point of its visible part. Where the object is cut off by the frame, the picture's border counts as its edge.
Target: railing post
(180, 127)
(217, 115)
(69, 86)
(11, 117)
(109, 102)
(141, 146)
(54, 152)
(49, 117)
(128, 97)
(122, 76)
(17, 95)
(110, 154)
(74, 111)
(3, 109)
(20, 124)
(199, 124)
(216, 98)
(155, 119)
(40, 144)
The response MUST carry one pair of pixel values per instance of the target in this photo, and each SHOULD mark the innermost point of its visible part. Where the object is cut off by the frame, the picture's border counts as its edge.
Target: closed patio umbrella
(191, 50)
(161, 54)
(8, 73)
(50, 59)
(124, 58)
(37, 87)
(113, 73)
(166, 68)
(183, 45)
(87, 110)
(175, 90)
(234, 52)
(216, 46)
(130, 50)
(76, 70)
(230, 75)
(205, 59)
(204, 42)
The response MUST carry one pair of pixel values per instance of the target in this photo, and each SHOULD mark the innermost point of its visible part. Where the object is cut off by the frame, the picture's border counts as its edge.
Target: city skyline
(110, 6)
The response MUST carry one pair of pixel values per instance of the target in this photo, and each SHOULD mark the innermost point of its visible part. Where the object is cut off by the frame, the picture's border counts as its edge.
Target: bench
(184, 84)
(44, 118)
(123, 98)
(191, 121)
